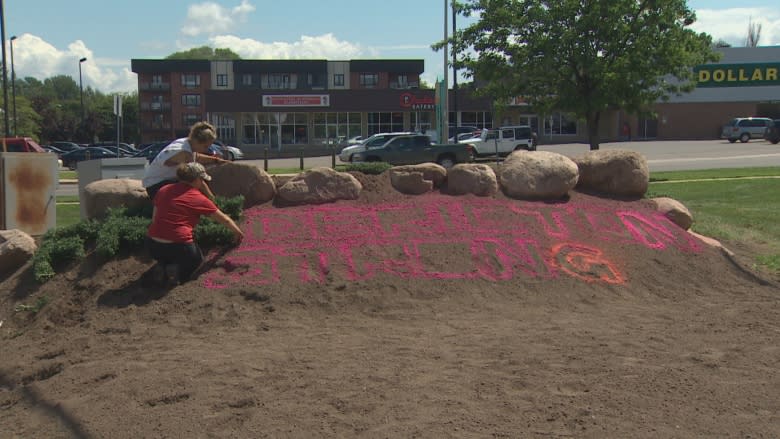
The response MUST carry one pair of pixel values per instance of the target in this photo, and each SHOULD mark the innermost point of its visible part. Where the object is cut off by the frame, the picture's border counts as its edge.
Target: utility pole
(454, 72)
(5, 69)
(445, 117)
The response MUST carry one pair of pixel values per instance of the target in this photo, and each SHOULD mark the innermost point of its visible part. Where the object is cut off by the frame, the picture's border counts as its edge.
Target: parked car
(355, 140)
(65, 146)
(772, 132)
(455, 131)
(375, 141)
(745, 128)
(110, 144)
(53, 150)
(21, 144)
(151, 151)
(503, 141)
(226, 152)
(417, 148)
(72, 158)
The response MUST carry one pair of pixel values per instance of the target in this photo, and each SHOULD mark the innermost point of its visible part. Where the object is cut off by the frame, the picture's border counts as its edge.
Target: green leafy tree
(205, 52)
(581, 57)
(27, 122)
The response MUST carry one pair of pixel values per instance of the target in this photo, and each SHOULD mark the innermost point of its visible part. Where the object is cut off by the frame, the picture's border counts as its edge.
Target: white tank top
(157, 171)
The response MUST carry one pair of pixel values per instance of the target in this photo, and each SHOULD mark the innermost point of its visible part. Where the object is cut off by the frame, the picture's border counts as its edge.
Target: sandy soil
(395, 316)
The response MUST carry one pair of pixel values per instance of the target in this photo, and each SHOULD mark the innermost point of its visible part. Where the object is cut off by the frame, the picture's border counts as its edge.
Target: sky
(52, 35)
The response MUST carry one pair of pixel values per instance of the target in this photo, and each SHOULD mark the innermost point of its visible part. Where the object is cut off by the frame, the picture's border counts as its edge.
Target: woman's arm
(207, 159)
(228, 222)
(179, 158)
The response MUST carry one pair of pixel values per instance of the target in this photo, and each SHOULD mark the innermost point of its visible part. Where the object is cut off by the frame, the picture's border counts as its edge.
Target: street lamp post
(13, 83)
(81, 90)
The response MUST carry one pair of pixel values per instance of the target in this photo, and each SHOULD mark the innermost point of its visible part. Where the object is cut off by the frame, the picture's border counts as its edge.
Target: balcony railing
(154, 86)
(404, 85)
(155, 106)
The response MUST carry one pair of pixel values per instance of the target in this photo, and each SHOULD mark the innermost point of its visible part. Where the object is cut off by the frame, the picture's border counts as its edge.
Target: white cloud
(37, 58)
(210, 18)
(731, 25)
(318, 47)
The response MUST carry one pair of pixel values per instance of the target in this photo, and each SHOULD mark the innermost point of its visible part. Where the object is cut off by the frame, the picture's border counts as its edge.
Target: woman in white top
(192, 148)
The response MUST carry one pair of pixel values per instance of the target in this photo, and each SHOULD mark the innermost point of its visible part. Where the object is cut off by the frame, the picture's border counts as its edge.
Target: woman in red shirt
(177, 210)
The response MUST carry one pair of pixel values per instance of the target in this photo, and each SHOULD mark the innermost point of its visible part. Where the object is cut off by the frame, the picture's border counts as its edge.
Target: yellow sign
(737, 75)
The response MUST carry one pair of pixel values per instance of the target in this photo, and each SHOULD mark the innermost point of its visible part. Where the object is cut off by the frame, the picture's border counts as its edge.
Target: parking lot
(661, 155)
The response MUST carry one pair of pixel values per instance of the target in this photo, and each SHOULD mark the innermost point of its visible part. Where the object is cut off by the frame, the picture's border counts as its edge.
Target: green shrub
(55, 253)
(209, 233)
(34, 308)
(120, 232)
(369, 167)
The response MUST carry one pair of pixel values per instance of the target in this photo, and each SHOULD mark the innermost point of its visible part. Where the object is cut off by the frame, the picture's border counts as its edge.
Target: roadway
(661, 156)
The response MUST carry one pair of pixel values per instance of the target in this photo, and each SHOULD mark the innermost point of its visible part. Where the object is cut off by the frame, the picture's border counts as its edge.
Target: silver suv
(745, 128)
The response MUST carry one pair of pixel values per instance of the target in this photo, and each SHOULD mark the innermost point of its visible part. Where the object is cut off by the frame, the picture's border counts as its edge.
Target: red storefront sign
(408, 100)
(296, 101)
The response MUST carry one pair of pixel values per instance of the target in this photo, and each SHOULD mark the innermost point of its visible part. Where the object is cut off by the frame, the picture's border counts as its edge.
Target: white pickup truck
(502, 141)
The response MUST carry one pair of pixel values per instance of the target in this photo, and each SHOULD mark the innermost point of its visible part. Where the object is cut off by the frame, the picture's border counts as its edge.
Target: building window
(479, 119)
(385, 122)
(189, 119)
(560, 124)
(226, 127)
(278, 81)
(190, 100)
(275, 129)
(156, 79)
(335, 127)
(157, 102)
(403, 81)
(222, 80)
(338, 80)
(246, 79)
(190, 80)
(369, 79)
(421, 121)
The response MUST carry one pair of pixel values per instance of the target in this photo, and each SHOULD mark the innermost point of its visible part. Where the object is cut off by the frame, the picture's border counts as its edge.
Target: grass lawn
(733, 209)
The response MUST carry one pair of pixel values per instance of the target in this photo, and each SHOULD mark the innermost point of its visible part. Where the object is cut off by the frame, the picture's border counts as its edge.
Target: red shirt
(178, 208)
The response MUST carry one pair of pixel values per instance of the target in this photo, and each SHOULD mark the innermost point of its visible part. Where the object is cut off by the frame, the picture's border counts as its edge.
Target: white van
(745, 128)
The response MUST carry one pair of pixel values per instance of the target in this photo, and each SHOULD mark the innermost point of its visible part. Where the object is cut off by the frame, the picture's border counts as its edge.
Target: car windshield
(732, 122)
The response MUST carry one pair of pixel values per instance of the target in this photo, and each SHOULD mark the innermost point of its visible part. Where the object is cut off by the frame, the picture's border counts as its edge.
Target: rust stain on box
(31, 185)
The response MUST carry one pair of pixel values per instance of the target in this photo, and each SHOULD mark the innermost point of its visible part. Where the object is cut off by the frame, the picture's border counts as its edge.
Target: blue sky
(53, 34)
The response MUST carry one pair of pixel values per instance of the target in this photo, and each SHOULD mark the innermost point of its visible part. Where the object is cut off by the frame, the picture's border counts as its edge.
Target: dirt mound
(398, 316)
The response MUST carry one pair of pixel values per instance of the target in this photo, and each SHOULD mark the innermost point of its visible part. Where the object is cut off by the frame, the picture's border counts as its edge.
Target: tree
(581, 57)
(753, 35)
(721, 43)
(205, 52)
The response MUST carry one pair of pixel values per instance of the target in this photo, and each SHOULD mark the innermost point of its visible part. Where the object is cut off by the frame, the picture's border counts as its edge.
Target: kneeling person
(177, 209)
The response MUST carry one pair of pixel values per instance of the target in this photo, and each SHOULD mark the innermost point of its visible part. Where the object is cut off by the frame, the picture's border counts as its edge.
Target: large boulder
(615, 172)
(16, 248)
(320, 185)
(537, 175)
(101, 195)
(472, 178)
(675, 211)
(433, 172)
(233, 179)
(417, 179)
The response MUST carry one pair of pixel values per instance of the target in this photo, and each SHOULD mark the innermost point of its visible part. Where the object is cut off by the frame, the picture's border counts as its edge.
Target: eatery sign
(737, 75)
(296, 101)
(410, 101)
